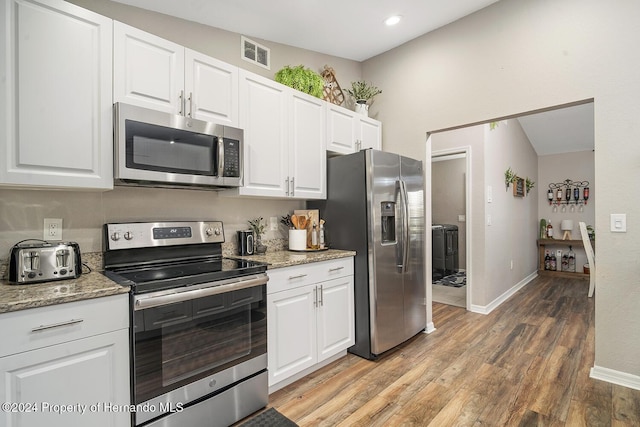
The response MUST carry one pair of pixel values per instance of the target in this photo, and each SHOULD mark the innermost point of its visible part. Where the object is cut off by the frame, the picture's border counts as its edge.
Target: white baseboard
(486, 309)
(430, 328)
(615, 377)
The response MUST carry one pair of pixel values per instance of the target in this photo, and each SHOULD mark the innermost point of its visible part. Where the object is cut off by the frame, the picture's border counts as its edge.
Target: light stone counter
(279, 259)
(87, 286)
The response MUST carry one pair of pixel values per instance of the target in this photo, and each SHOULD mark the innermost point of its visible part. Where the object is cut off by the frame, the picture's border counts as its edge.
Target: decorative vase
(362, 108)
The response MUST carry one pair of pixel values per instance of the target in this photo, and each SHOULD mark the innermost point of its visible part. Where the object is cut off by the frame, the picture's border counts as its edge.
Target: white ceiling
(354, 29)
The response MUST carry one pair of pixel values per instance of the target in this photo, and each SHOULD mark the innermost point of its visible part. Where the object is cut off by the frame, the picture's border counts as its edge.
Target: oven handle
(149, 301)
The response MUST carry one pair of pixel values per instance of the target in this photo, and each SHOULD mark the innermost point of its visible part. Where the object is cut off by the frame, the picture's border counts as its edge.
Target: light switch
(619, 223)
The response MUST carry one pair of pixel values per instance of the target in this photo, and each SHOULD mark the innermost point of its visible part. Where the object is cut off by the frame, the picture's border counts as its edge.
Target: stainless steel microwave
(157, 149)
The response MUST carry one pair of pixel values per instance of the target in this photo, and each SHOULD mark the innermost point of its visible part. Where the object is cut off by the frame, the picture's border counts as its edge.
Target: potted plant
(363, 92)
(258, 228)
(302, 79)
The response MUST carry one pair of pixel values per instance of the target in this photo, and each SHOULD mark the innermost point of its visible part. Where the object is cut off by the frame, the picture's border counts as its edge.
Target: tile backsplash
(83, 214)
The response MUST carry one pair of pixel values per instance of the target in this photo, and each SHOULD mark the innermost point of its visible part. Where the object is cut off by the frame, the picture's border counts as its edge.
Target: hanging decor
(331, 92)
(568, 193)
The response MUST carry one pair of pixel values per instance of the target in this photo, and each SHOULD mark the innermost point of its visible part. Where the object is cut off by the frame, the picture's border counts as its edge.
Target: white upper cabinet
(307, 147)
(55, 96)
(284, 151)
(263, 116)
(212, 89)
(155, 73)
(348, 131)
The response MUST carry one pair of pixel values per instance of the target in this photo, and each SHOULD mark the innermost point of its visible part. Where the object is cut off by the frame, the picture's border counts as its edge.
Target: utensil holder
(298, 240)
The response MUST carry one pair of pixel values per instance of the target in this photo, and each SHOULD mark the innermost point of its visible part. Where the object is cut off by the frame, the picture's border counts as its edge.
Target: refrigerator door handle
(405, 225)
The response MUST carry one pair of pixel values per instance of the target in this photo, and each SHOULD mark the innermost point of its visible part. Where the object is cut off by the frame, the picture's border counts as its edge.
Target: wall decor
(332, 92)
(529, 184)
(518, 186)
(568, 193)
(509, 176)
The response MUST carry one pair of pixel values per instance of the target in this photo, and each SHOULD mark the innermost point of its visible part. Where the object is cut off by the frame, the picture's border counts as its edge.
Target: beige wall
(522, 55)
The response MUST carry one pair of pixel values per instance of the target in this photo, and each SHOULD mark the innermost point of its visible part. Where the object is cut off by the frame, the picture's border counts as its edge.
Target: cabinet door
(370, 133)
(263, 116)
(55, 96)
(341, 130)
(148, 70)
(307, 147)
(291, 325)
(211, 89)
(336, 327)
(81, 373)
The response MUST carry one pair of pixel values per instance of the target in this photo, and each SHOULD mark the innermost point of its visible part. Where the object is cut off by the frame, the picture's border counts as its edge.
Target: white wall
(519, 56)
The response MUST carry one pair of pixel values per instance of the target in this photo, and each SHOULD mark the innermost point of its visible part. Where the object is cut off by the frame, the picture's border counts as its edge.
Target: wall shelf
(543, 243)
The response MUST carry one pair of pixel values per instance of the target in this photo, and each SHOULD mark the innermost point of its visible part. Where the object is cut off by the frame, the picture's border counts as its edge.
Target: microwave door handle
(220, 157)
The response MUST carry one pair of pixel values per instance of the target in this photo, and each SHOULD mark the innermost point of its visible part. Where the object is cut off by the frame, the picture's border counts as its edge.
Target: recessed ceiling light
(393, 20)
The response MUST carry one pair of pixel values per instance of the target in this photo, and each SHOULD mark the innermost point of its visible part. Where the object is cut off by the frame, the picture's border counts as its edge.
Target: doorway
(449, 201)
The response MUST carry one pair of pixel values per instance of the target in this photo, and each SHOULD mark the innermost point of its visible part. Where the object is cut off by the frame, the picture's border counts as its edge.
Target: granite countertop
(87, 286)
(279, 259)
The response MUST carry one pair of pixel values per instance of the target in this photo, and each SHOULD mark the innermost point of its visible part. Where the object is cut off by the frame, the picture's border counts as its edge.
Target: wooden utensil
(302, 222)
(294, 221)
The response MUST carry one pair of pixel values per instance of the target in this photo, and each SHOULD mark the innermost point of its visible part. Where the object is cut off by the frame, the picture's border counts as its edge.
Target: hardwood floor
(525, 364)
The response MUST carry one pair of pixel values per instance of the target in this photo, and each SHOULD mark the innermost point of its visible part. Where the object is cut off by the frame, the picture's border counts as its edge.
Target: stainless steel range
(199, 323)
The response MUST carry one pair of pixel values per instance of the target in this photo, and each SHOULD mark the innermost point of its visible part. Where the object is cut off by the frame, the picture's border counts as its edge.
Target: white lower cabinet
(68, 365)
(310, 316)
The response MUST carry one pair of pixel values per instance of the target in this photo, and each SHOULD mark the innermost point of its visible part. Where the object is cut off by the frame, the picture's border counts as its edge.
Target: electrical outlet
(273, 223)
(52, 229)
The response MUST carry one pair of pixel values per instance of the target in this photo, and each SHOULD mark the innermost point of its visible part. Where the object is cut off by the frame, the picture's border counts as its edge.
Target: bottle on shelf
(559, 194)
(314, 237)
(550, 196)
(565, 262)
(547, 260)
(549, 230)
(321, 236)
(585, 194)
(572, 260)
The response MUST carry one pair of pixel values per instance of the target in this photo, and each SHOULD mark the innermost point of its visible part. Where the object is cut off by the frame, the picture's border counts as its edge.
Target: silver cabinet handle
(57, 325)
(335, 269)
(299, 276)
(190, 104)
(321, 296)
(315, 296)
(293, 186)
(286, 186)
(181, 103)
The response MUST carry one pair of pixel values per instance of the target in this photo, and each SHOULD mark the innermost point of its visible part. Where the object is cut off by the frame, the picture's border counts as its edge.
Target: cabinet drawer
(293, 277)
(44, 326)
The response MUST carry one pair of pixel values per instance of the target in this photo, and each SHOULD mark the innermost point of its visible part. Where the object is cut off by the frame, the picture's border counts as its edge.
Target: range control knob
(128, 235)
(209, 232)
(217, 231)
(115, 236)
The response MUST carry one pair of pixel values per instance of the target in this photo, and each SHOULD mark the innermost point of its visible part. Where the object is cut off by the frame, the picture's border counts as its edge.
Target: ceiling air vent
(255, 53)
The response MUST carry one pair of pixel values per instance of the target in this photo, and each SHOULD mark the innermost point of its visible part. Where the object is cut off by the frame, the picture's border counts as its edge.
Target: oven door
(196, 342)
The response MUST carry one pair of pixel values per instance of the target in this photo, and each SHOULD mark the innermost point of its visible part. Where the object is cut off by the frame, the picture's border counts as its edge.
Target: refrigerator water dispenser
(388, 222)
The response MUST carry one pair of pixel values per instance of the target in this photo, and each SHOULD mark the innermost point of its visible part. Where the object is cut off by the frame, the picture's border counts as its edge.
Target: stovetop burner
(156, 256)
(186, 273)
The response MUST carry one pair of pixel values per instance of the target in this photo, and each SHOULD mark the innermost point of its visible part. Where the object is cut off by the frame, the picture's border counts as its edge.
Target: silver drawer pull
(299, 276)
(57, 325)
(336, 269)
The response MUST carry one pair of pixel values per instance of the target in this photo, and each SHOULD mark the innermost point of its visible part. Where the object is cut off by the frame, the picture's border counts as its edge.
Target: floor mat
(269, 418)
(457, 280)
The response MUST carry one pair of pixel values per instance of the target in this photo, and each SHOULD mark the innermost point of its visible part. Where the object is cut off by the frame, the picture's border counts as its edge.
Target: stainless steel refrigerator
(375, 206)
